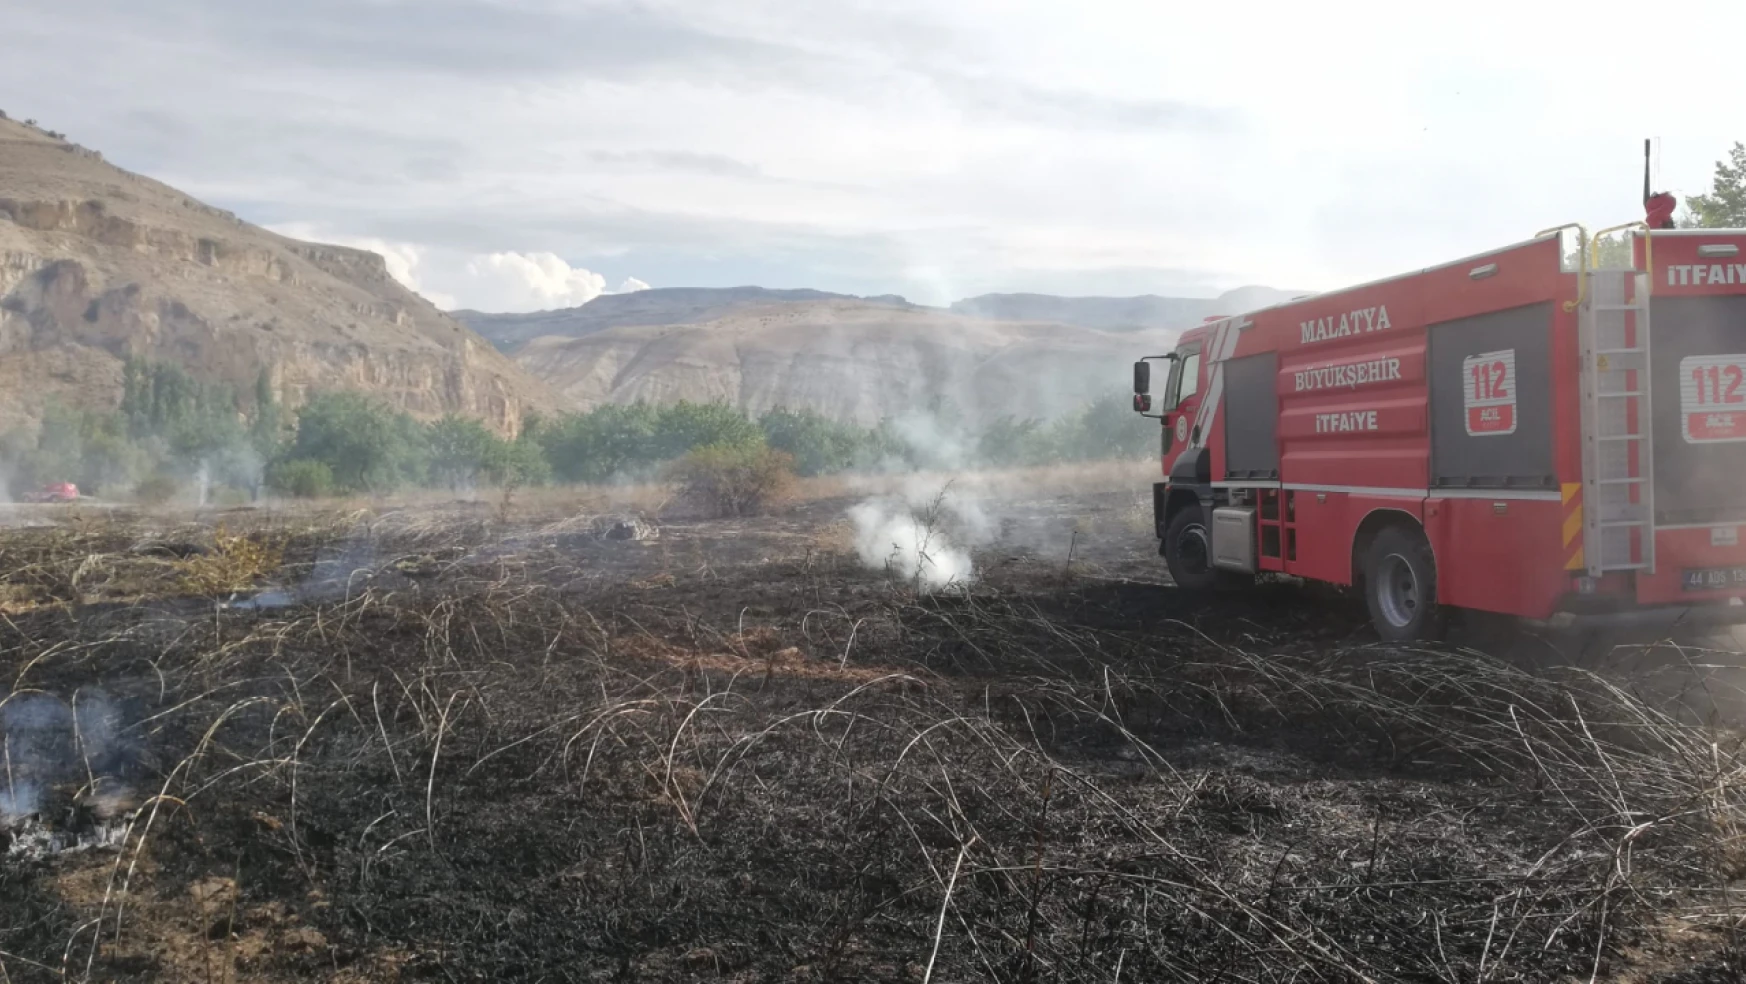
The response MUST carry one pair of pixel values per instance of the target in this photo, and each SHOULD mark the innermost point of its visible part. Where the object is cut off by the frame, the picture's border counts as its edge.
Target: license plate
(1714, 578)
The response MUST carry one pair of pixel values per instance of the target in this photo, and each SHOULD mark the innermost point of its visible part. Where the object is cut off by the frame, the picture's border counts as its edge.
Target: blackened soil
(736, 752)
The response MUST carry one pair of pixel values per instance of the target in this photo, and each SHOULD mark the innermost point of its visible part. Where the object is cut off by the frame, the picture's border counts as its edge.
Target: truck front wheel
(1400, 586)
(1187, 551)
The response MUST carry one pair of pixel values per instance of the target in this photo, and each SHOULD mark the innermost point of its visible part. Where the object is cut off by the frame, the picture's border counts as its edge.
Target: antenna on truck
(1658, 206)
(1647, 194)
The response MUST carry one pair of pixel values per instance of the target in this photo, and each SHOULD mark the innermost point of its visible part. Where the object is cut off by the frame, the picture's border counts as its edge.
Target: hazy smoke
(333, 577)
(922, 534)
(44, 741)
(933, 442)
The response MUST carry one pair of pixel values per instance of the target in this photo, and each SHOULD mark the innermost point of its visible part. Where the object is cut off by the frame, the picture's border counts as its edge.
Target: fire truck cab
(1526, 431)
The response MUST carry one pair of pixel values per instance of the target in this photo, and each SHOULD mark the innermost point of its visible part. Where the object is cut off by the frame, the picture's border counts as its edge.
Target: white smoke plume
(45, 740)
(921, 535)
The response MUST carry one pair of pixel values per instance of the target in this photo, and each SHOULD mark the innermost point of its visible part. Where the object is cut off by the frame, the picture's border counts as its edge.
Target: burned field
(452, 744)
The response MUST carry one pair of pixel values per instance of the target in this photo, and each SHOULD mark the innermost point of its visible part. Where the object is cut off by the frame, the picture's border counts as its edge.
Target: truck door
(1182, 402)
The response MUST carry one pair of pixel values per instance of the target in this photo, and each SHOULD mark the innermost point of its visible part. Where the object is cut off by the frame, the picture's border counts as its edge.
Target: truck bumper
(1660, 617)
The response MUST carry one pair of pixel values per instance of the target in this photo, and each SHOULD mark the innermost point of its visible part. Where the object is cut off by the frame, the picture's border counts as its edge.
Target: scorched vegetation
(475, 744)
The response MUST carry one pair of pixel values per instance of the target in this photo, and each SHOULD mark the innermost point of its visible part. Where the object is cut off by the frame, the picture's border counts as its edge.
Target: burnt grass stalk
(498, 754)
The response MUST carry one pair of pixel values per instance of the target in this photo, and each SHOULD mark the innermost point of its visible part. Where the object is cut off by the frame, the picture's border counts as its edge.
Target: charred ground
(481, 745)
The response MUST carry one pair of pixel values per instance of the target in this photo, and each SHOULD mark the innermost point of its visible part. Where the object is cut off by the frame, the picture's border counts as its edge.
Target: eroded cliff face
(98, 265)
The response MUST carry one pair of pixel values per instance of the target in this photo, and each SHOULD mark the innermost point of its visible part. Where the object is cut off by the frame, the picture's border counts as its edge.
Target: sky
(530, 154)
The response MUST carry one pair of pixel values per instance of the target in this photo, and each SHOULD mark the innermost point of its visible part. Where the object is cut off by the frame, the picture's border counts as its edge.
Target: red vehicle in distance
(55, 492)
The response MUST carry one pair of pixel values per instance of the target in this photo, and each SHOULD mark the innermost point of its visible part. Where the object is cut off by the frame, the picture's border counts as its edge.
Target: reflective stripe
(1512, 495)
(1361, 490)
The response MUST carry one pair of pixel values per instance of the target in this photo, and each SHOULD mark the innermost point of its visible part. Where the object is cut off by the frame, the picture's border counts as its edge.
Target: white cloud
(527, 282)
(492, 282)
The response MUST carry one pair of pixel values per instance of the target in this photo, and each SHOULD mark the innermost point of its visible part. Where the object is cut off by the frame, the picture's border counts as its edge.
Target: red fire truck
(1526, 431)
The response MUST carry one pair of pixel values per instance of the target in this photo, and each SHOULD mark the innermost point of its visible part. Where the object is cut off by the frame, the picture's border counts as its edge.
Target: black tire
(1187, 550)
(1400, 586)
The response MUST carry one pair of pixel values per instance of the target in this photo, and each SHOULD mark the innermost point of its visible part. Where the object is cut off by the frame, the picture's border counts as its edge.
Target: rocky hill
(1120, 313)
(696, 305)
(656, 306)
(98, 264)
(852, 359)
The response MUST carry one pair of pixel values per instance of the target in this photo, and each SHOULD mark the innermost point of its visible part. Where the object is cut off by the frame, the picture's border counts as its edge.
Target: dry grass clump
(236, 562)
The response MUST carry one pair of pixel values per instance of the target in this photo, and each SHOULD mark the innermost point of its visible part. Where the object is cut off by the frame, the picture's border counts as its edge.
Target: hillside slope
(853, 360)
(655, 306)
(98, 264)
(1120, 313)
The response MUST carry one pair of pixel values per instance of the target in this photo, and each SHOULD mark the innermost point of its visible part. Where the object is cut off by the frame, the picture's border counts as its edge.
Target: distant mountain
(1120, 313)
(850, 359)
(657, 306)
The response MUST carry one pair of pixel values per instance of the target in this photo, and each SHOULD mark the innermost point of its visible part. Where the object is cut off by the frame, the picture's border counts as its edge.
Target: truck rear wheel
(1400, 586)
(1187, 550)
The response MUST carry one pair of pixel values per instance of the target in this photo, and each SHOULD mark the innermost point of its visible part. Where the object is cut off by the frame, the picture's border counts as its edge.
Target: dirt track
(517, 752)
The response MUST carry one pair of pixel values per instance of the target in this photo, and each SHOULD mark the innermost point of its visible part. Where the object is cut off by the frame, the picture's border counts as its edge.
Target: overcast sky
(524, 154)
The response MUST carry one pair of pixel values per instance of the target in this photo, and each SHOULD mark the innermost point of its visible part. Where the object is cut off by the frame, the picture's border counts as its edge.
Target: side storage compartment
(1495, 513)
(1252, 418)
(1491, 401)
(1698, 382)
(1233, 538)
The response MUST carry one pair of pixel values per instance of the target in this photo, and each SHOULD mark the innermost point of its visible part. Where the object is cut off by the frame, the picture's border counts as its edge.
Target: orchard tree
(367, 446)
(1725, 206)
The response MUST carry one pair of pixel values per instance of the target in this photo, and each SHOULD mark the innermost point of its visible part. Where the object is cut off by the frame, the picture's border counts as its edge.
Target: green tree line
(172, 432)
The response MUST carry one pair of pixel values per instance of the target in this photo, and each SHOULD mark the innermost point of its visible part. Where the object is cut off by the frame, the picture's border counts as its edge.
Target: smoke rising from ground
(45, 741)
(922, 533)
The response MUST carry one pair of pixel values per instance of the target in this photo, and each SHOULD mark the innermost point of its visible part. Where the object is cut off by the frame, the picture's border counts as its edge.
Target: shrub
(594, 446)
(734, 479)
(462, 450)
(369, 446)
(155, 490)
(819, 444)
(302, 479)
(684, 427)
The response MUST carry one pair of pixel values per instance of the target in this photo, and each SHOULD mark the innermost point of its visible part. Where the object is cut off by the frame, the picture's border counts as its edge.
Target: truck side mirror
(1142, 377)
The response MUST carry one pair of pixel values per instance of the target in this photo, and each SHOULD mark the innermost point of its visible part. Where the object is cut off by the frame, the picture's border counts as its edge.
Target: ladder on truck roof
(1618, 450)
